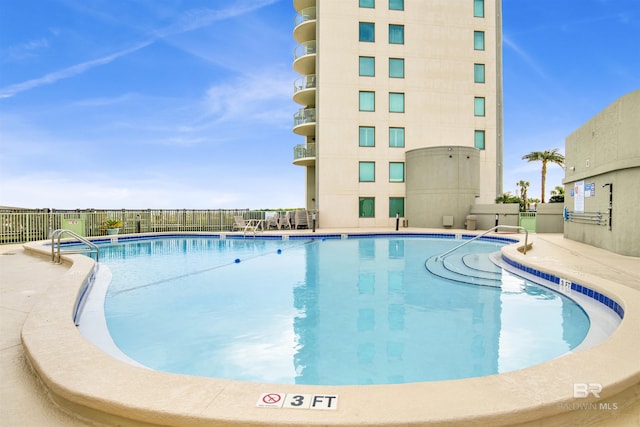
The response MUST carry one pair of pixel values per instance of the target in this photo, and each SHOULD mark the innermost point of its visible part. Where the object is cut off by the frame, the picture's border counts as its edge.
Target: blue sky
(187, 103)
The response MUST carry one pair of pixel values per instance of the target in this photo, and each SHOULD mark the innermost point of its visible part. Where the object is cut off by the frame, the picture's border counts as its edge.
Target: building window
(478, 106)
(369, 4)
(396, 172)
(479, 140)
(478, 73)
(396, 137)
(396, 206)
(367, 66)
(396, 4)
(396, 34)
(478, 8)
(367, 32)
(478, 40)
(367, 207)
(367, 136)
(367, 101)
(367, 171)
(396, 102)
(396, 68)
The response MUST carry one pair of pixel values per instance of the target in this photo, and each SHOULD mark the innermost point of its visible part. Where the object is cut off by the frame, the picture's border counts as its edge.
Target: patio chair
(272, 221)
(301, 219)
(239, 223)
(285, 222)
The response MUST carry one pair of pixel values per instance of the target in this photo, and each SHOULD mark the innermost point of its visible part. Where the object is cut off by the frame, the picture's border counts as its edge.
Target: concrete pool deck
(35, 301)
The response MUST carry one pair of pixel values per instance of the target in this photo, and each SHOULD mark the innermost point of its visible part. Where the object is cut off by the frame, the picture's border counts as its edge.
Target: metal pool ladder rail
(55, 248)
(511, 227)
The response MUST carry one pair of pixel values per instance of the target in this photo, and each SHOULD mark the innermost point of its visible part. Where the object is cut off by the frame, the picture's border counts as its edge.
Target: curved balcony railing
(307, 14)
(304, 116)
(303, 49)
(302, 151)
(304, 83)
(303, 4)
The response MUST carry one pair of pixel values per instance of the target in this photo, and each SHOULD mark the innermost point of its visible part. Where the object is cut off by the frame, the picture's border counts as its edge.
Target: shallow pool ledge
(89, 383)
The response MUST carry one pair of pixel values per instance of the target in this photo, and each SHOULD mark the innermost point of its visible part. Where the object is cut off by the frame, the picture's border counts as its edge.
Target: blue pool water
(324, 311)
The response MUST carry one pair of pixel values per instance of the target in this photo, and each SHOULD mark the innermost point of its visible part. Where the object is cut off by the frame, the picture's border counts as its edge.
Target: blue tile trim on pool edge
(601, 298)
(118, 238)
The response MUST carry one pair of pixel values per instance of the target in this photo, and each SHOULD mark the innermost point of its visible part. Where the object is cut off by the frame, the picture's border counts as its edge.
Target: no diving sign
(298, 401)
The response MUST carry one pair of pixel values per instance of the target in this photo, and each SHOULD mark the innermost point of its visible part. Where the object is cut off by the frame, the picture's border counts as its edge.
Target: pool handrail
(56, 249)
(512, 227)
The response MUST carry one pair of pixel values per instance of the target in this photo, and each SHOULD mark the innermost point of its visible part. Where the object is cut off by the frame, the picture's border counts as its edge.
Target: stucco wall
(486, 214)
(606, 150)
(549, 218)
(441, 181)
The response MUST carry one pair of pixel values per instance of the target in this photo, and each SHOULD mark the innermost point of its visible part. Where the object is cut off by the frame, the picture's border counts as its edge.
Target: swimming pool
(327, 311)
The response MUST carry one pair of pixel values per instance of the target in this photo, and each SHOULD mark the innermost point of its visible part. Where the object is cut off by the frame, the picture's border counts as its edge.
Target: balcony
(304, 29)
(303, 4)
(304, 155)
(304, 58)
(304, 122)
(304, 90)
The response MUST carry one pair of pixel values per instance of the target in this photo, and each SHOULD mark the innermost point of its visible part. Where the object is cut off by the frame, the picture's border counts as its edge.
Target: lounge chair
(285, 222)
(301, 219)
(272, 221)
(239, 223)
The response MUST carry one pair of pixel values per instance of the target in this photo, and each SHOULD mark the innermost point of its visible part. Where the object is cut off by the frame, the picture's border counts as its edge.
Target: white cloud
(26, 50)
(189, 21)
(198, 18)
(524, 56)
(251, 98)
(173, 190)
(9, 91)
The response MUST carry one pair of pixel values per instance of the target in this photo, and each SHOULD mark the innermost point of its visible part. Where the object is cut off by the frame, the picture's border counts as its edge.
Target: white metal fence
(18, 226)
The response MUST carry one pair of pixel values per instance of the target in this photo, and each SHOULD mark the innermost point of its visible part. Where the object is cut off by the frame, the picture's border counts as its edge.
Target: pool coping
(67, 364)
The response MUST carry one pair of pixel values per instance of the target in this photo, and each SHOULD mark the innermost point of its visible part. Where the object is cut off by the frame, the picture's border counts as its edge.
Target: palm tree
(545, 157)
(507, 198)
(523, 185)
(557, 195)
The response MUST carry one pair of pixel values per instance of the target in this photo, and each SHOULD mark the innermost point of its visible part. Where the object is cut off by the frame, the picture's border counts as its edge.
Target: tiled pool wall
(585, 290)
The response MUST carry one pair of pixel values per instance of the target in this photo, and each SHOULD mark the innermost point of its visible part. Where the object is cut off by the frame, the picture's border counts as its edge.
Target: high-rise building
(401, 109)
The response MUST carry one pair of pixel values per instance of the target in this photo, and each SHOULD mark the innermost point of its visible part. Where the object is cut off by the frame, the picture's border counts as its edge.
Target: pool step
(482, 262)
(470, 268)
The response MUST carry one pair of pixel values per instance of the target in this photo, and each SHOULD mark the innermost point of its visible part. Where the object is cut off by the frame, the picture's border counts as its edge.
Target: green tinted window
(367, 32)
(478, 73)
(396, 137)
(478, 40)
(479, 140)
(396, 172)
(367, 66)
(367, 101)
(367, 207)
(367, 136)
(396, 34)
(478, 8)
(396, 102)
(396, 206)
(367, 171)
(396, 68)
(396, 4)
(478, 106)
